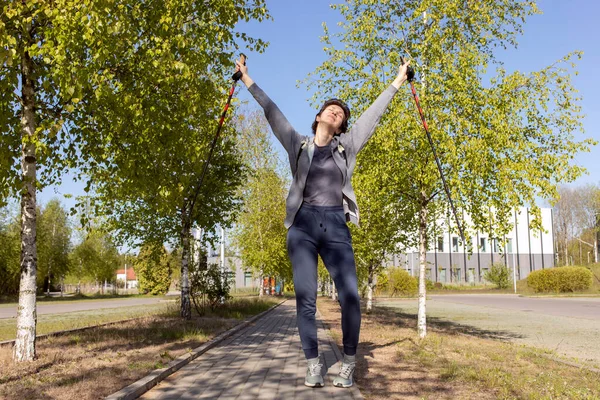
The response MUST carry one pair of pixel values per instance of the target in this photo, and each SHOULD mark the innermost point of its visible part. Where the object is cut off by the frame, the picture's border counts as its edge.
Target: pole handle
(410, 71)
(236, 77)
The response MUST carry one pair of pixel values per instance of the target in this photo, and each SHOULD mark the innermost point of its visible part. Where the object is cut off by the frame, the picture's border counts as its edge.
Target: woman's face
(332, 115)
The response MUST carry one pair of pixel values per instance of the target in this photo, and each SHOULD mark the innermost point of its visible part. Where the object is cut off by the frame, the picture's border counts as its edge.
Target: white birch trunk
(422, 314)
(24, 349)
(186, 306)
(333, 291)
(370, 284)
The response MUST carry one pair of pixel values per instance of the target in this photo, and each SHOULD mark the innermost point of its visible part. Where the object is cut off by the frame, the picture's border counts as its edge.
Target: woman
(320, 202)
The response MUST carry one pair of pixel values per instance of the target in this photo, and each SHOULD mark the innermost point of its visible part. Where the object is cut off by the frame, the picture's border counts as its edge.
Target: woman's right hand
(240, 66)
(402, 75)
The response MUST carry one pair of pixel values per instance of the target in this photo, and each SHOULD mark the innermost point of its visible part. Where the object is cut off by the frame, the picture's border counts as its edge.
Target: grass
(70, 297)
(240, 308)
(508, 370)
(94, 363)
(48, 323)
(236, 308)
(393, 363)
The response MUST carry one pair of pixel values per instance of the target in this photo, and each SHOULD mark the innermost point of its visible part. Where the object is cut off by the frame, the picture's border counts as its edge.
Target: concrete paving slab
(263, 361)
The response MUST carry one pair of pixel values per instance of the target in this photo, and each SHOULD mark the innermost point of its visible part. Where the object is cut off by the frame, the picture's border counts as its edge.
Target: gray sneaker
(345, 377)
(313, 373)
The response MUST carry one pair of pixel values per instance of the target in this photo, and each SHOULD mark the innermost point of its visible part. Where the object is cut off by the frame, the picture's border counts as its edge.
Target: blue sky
(295, 50)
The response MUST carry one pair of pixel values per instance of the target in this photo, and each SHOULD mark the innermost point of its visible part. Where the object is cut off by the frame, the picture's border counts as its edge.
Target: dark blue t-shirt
(325, 180)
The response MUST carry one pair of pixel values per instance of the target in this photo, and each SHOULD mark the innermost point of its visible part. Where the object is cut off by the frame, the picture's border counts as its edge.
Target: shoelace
(347, 370)
(314, 369)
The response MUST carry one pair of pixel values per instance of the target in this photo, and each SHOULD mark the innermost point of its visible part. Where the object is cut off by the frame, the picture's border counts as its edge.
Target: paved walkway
(263, 361)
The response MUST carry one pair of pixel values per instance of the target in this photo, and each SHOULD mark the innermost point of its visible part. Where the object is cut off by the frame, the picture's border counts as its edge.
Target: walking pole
(236, 77)
(410, 75)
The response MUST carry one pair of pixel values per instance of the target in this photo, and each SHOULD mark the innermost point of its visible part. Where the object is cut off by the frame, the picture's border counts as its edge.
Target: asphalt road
(588, 308)
(81, 305)
(568, 327)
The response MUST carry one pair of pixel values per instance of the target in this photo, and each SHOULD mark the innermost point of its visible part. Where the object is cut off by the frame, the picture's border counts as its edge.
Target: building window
(471, 275)
(247, 279)
(442, 276)
(455, 244)
(440, 244)
(495, 245)
(457, 275)
(482, 244)
(509, 246)
(231, 278)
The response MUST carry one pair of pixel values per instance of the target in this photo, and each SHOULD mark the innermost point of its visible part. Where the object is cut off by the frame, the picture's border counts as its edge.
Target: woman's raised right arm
(283, 130)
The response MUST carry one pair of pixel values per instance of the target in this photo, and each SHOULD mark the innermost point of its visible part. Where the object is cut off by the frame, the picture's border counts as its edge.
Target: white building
(131, 281)
(239, 278)
(522, 249)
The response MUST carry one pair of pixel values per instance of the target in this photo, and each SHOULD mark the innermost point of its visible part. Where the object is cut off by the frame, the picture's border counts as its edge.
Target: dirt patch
(392, 363)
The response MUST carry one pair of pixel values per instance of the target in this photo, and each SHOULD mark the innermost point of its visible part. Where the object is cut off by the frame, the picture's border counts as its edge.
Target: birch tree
(54, 243)
(95, 259)
(588, 216)
(564, 221)
(260, 234)
(382, 212)
(576, 212)
(486, 130)
(9, 254)
(157, 142)
(37, 95)
(63, 66)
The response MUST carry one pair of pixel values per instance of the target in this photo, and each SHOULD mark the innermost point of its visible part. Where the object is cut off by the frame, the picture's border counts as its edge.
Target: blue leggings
(322, 230)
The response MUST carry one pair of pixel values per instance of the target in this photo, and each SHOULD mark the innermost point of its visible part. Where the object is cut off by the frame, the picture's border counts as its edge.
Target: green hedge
(560, 279)
(400, 283)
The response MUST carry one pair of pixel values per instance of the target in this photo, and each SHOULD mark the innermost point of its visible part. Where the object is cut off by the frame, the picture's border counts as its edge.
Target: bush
(382, 283)
(498, 274)
(560, 279)
(154, 269)
(429, 285)
(401, 283)
(208, 288)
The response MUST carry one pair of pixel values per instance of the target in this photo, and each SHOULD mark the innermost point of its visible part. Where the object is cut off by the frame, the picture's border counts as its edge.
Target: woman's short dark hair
(337, 102)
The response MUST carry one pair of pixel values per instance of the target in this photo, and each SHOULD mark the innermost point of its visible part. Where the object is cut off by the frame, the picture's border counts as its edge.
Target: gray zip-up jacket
(300, 149)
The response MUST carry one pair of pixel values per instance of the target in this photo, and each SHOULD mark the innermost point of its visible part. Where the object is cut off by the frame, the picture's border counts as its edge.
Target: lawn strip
(97, 362)
(393, 363)
(49, 323)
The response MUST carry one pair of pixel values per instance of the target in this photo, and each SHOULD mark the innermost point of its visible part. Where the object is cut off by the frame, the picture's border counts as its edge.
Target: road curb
(141, 386)
(572, 364)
